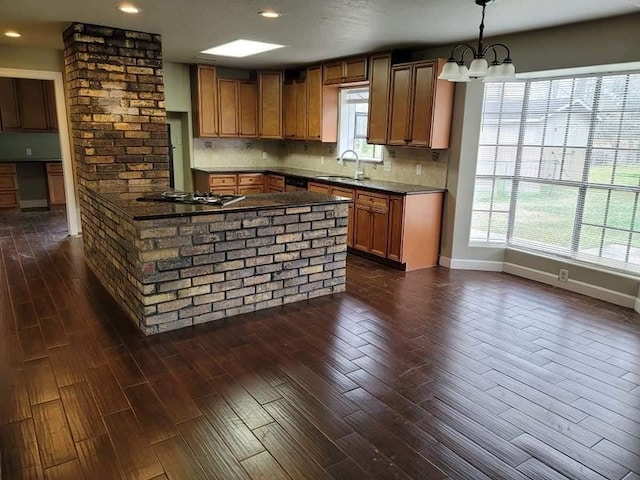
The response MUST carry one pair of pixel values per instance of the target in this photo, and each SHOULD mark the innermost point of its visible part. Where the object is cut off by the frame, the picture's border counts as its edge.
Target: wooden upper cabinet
(400, 105)
(346, 70)
(379, 82)
(247, 109)
(32, 105)
(228, 107)
(301, 109)
(289, 94)
(9, 114)
(50, 101)
(270, 105)
(314, 103)
(421, 106)
(204, 101)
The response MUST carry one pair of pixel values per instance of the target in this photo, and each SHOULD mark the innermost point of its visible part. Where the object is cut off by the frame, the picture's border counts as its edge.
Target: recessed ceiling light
(128, 8)
(241, 48)
(269, 14)
(12, 34)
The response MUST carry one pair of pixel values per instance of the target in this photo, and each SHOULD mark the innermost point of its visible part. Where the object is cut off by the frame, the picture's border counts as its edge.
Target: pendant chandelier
(455, 70)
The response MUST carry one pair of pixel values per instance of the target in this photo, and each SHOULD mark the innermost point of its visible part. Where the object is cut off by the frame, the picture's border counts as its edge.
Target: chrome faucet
(358, 173)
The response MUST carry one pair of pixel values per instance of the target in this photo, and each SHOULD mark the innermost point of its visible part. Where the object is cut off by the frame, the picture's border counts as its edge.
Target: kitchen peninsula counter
(174, 265)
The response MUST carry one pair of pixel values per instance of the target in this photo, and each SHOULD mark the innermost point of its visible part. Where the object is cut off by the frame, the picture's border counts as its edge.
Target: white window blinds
(558, 168)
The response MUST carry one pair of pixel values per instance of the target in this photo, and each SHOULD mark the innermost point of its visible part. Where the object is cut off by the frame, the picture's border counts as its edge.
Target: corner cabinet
(204, 101)
(420, 105)
(270, 105)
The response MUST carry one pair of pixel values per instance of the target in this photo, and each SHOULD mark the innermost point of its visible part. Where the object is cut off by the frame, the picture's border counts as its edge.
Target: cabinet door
(9, 115)
(50, 97)
(301, 110)
(248, 109)
(270, 105)
(380, 77)
(204, 101)
(343, 192)
(289, 90)
(55, 182)
(422, 104)
(380, 232)
(228, 114)
(362, 231)
(355, 69)
(250, 189)
(31, 104)
(314, 103)
(275, 183)
(396, 222)
(400, 105)
(333, 72)
(319, 188)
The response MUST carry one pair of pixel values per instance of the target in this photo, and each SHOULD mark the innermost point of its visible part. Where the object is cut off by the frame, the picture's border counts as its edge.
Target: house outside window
(352, 125)
(558, 169)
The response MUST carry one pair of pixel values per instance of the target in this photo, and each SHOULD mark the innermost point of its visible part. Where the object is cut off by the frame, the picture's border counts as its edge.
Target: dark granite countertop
(379, 185)
(128, 204)
(30, 160)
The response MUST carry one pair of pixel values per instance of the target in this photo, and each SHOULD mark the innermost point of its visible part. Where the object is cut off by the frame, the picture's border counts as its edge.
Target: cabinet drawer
(54, 167)
(8, 199)
(222, 180)
(7, 168)
(276, 181)
(343, 192)
(250, 189)
(375, 201)
(8, 182)
(250, 179)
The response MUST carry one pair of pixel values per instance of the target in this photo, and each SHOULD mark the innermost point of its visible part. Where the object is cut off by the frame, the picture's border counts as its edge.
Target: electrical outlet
(387, 166)
(28, 152)
(563, 275)
(208, 145)
(264, 155)
(322, 160)
(418, 169)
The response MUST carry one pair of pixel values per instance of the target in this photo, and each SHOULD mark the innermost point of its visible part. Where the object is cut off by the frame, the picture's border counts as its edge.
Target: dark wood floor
(424, 375)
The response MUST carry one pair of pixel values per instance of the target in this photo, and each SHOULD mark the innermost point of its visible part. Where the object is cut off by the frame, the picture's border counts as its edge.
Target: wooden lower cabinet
(319, 188)
(55, 182)
(8, 186)
(347, 193)
(275, 183)
(396, 223)
(371, 222)
(229, 183)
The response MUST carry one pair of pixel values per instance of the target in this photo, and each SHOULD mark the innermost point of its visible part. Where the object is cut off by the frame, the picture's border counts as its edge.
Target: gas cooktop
(203, 198)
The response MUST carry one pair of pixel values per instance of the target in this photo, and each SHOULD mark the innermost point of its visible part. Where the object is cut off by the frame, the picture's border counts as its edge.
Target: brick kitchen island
(174, 265)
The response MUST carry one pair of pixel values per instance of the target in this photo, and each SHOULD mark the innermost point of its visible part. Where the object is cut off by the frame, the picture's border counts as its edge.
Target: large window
(558, 168)
(352, 135)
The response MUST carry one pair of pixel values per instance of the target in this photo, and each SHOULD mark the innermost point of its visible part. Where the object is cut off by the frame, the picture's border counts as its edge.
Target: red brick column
(115, 90)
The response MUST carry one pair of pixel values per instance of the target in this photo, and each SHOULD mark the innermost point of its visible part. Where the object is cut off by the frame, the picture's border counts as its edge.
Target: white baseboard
(34, 203)
(589, 290)
(482, 265)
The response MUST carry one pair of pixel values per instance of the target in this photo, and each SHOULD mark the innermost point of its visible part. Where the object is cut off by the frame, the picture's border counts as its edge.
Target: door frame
(73, 213)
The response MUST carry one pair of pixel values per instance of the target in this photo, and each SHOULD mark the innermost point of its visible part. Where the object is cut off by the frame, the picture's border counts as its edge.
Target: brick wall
(115, 91)
(177, 272)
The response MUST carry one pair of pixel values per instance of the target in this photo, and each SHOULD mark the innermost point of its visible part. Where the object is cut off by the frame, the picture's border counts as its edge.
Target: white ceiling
(312, 29)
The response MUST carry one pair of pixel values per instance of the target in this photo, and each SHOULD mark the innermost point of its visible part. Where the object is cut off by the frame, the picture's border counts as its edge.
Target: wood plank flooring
(423, 375)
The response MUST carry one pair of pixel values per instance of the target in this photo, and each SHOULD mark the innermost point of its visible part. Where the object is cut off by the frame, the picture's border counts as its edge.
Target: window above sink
(352, 125)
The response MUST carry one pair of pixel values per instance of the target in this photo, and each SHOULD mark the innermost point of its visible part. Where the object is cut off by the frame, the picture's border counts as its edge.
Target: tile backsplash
(308, 155)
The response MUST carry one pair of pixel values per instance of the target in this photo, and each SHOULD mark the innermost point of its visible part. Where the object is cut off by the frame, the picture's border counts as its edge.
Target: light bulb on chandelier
(455, 70)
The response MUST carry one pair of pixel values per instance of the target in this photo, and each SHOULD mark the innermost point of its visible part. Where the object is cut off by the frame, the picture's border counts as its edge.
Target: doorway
(58, 172)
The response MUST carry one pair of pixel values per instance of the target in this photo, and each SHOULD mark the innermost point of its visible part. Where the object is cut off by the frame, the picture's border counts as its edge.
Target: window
(352, 134)
(558, 168)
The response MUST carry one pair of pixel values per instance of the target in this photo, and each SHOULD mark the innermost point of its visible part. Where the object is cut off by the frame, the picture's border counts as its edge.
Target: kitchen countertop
(380, 185)
(30, 160)
(128, 204)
